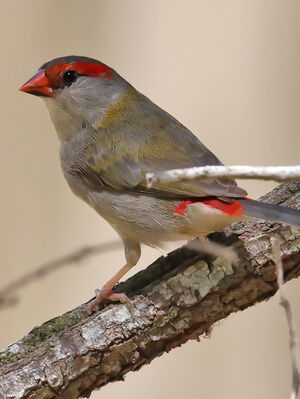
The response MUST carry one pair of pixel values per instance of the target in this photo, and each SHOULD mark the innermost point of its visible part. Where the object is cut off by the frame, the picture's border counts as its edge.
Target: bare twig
(8, 299)
(209, 247)
(276, 173)
(179, 297)
(294, 348)
(6, 293)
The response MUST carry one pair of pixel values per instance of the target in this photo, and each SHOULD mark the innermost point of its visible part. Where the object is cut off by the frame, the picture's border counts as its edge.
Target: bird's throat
(66, 124)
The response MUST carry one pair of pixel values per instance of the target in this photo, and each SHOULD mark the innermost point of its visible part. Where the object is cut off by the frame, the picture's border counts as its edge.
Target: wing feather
(136, 137)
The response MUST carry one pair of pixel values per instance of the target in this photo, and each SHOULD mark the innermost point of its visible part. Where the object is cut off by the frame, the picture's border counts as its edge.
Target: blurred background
(228, 70)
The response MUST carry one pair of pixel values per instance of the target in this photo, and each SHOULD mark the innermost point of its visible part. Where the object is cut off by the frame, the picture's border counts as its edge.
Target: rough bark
(177, 298)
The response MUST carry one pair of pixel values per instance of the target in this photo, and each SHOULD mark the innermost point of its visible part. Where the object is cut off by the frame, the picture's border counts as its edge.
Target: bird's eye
(69, 77)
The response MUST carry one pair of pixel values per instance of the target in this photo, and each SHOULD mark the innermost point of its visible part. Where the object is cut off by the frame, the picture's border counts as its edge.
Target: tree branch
(177, 298)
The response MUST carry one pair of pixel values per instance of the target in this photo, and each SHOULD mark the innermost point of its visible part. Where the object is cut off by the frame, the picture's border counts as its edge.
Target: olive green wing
(137, 137)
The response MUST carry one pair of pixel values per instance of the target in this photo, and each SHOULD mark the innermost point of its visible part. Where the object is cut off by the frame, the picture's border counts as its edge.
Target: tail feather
(275, 213)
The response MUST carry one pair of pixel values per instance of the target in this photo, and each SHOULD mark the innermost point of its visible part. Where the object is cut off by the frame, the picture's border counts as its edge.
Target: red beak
(38, 85)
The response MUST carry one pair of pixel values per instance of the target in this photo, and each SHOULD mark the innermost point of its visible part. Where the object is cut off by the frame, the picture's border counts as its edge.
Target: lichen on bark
(177, 298)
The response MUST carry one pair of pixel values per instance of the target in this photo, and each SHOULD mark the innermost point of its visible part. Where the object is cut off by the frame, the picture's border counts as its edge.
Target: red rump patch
(233, 209)
(181, 208)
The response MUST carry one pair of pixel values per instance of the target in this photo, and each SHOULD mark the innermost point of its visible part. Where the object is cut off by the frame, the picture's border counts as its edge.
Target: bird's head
(76, 90)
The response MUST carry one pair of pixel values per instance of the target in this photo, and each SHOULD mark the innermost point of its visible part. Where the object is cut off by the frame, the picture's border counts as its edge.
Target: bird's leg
(132, 255)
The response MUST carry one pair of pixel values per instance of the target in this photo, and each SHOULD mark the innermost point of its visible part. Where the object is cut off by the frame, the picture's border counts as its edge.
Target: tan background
(229, 70)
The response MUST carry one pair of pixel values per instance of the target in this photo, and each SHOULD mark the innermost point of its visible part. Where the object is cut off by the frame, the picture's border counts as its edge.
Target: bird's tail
(275, 213)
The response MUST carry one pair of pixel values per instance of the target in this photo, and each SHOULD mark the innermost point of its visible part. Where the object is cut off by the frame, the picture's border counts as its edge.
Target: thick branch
(177, 298)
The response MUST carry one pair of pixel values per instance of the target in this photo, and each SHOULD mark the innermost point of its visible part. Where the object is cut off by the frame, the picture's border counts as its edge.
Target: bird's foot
(108, 294)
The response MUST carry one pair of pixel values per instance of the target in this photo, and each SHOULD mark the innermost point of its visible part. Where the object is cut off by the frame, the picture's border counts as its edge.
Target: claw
(102, 295)
(132, 253)
(123, 298)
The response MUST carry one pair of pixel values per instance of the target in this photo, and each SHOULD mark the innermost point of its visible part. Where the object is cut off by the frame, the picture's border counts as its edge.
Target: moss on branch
(177, 298)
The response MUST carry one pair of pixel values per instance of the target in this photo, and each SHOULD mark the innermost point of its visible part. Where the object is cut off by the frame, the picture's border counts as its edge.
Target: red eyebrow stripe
(55, 72)
(233, 209)
(89, 69)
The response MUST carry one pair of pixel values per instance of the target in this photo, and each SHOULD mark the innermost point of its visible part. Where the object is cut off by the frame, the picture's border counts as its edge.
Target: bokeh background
(229, 70)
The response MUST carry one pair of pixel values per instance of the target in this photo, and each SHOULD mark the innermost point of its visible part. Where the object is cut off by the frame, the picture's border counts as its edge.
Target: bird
(111, 135)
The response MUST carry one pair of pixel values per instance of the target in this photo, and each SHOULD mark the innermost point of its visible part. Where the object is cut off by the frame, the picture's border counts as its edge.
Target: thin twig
(6, 297)
(209, 247)
(179, 297)
(276, 173)
(294, 348)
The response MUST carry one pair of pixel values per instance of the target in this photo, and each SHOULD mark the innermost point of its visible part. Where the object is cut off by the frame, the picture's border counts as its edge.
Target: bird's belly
(150, 220)
(153, 221)
(145, 219)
